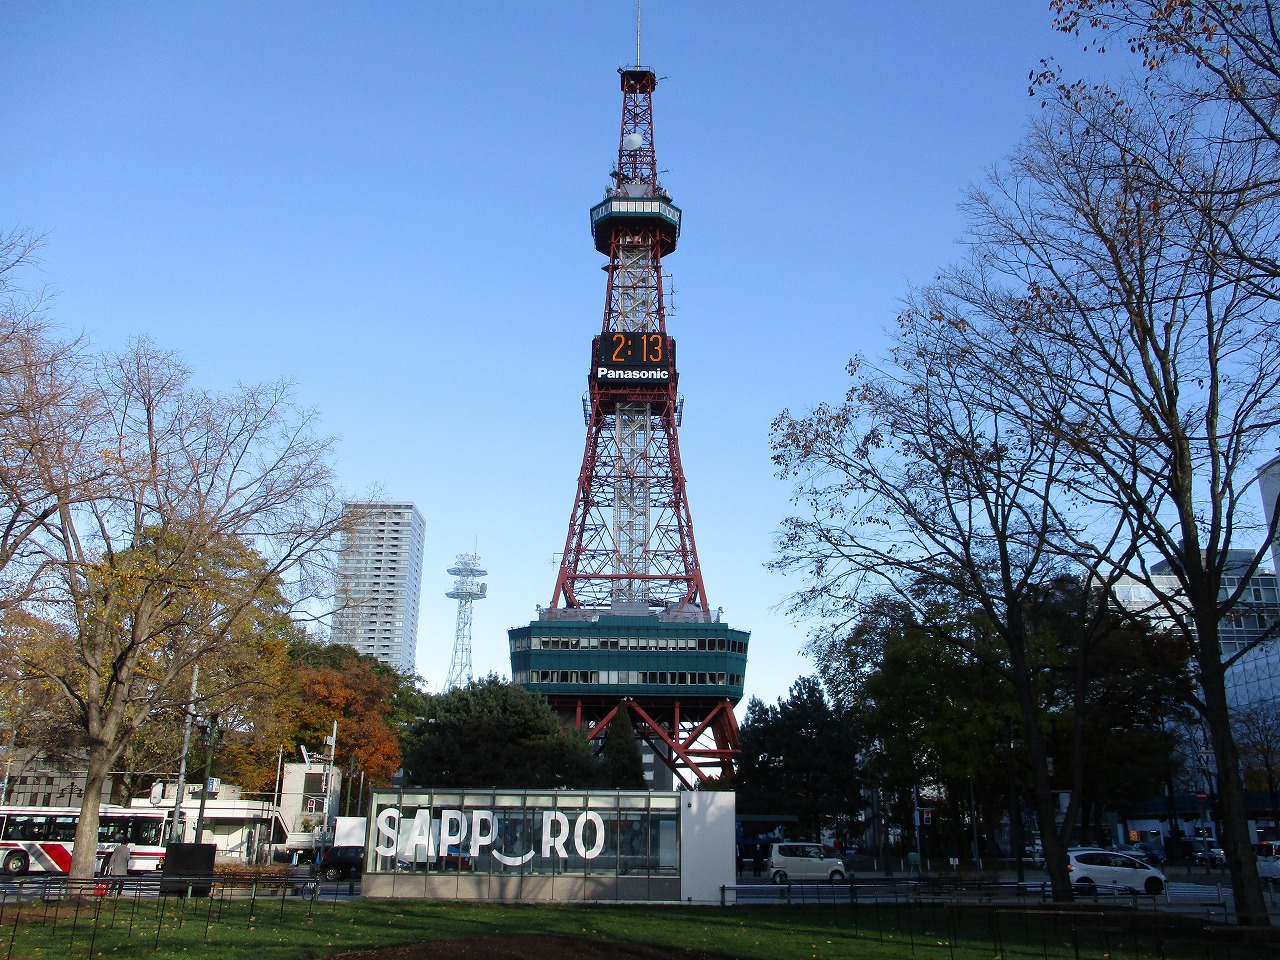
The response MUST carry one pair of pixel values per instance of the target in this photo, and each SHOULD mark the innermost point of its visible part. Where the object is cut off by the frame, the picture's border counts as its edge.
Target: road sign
(1202, 796)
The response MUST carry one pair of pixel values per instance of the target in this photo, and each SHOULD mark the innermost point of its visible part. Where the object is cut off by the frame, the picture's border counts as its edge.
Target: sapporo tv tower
(629, 627)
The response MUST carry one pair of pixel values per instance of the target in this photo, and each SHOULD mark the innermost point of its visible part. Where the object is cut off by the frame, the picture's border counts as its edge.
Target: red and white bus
(39, 839)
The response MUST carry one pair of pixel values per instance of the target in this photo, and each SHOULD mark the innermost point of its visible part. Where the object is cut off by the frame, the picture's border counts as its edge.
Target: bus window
(113, 829)
(61, 828)
(147, 831)
(25, 828)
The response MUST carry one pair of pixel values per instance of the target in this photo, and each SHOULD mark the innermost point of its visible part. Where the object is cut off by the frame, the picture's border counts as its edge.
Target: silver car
(803, 861)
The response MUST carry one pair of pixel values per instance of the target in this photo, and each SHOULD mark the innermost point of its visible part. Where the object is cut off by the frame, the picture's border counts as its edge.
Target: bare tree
(1118, 333)
(212, 502)
(1169, 355)
(1219, 51)
(1214, 60)
(921, 488)
(41, 405)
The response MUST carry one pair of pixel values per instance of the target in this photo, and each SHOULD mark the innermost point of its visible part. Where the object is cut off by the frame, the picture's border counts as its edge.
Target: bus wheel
(15, 864)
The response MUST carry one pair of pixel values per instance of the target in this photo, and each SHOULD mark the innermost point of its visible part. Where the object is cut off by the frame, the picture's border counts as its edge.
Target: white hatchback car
(803, 861)
(1090, 866)
(1269, 868)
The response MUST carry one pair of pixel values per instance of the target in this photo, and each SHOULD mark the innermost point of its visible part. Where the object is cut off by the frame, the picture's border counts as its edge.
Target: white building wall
(242, 830)
(304, 804)
(708, 841)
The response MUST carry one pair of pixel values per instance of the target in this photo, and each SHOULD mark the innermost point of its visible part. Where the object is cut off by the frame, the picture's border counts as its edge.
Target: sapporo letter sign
(423, 838)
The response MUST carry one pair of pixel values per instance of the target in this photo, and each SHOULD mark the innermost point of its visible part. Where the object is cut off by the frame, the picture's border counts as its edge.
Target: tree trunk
(1237, 844)
(1055, 856)
(84, 855)
(1055, 850)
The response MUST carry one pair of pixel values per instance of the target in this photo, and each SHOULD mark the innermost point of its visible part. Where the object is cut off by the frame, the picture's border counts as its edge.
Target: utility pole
(175, 829)
(915, 801)
(331, 744)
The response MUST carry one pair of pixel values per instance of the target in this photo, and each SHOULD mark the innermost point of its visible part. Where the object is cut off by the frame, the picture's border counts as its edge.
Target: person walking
(117, 867)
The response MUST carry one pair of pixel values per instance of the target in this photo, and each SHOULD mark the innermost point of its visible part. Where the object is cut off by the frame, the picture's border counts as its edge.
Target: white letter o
(579, 832)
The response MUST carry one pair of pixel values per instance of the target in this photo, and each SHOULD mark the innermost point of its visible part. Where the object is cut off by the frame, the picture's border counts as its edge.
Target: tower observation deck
(629, 626)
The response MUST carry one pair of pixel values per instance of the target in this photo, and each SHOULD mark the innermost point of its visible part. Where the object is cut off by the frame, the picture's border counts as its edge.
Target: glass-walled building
(1253, 679)
(549, 845)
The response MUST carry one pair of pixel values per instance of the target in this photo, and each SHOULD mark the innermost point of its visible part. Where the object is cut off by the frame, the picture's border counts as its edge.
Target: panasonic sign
(624, 373)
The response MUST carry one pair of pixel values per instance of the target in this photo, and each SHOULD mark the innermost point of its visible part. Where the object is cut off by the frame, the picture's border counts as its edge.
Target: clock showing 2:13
(634, 349)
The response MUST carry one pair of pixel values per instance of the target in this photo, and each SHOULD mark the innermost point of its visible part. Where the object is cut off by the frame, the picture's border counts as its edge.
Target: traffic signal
(928, 816)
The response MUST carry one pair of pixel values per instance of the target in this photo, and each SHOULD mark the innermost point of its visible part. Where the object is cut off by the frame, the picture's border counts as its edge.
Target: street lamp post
(973, 823)
(1015, 808)
(208, 769)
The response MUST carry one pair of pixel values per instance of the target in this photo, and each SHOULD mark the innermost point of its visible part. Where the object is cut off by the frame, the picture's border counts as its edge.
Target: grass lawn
(298, 929)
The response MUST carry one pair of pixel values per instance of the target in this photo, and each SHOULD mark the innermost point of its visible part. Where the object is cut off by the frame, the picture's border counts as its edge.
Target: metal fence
(933, 919)
(144, 908)
(1022, 921)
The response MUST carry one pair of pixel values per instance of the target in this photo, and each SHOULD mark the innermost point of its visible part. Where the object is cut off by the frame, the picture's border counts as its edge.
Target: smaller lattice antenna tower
(467, 569)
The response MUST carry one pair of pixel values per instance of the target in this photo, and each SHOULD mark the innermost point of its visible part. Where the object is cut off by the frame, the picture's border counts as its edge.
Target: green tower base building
(679, 680)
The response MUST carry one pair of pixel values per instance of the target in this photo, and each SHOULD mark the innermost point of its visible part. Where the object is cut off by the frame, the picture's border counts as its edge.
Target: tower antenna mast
(637, 33)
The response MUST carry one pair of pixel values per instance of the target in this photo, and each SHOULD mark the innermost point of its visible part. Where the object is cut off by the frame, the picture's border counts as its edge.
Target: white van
(803, 861)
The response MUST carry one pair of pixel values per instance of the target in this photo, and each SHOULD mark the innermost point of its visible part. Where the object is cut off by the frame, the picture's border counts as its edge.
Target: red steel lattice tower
(629, 626)
(630, 534)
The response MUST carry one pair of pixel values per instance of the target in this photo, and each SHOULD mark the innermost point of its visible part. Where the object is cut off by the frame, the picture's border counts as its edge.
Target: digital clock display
(633, 356)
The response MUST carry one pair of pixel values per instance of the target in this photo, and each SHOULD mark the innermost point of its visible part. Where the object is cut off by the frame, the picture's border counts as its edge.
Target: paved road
(1193, 896)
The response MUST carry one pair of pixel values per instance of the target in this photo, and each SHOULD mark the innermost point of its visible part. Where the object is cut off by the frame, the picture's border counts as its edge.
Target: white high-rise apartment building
(1269, 483)
(380, 581)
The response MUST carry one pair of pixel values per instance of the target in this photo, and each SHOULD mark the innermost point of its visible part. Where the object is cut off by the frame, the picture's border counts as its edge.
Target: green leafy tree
(491, 733)
(929, 712)
(933, 702)
(800, 755)
(620, 766)
(1139, 691)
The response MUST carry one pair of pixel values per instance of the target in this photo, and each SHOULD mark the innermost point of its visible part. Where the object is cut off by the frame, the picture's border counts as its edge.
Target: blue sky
(387, 204)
